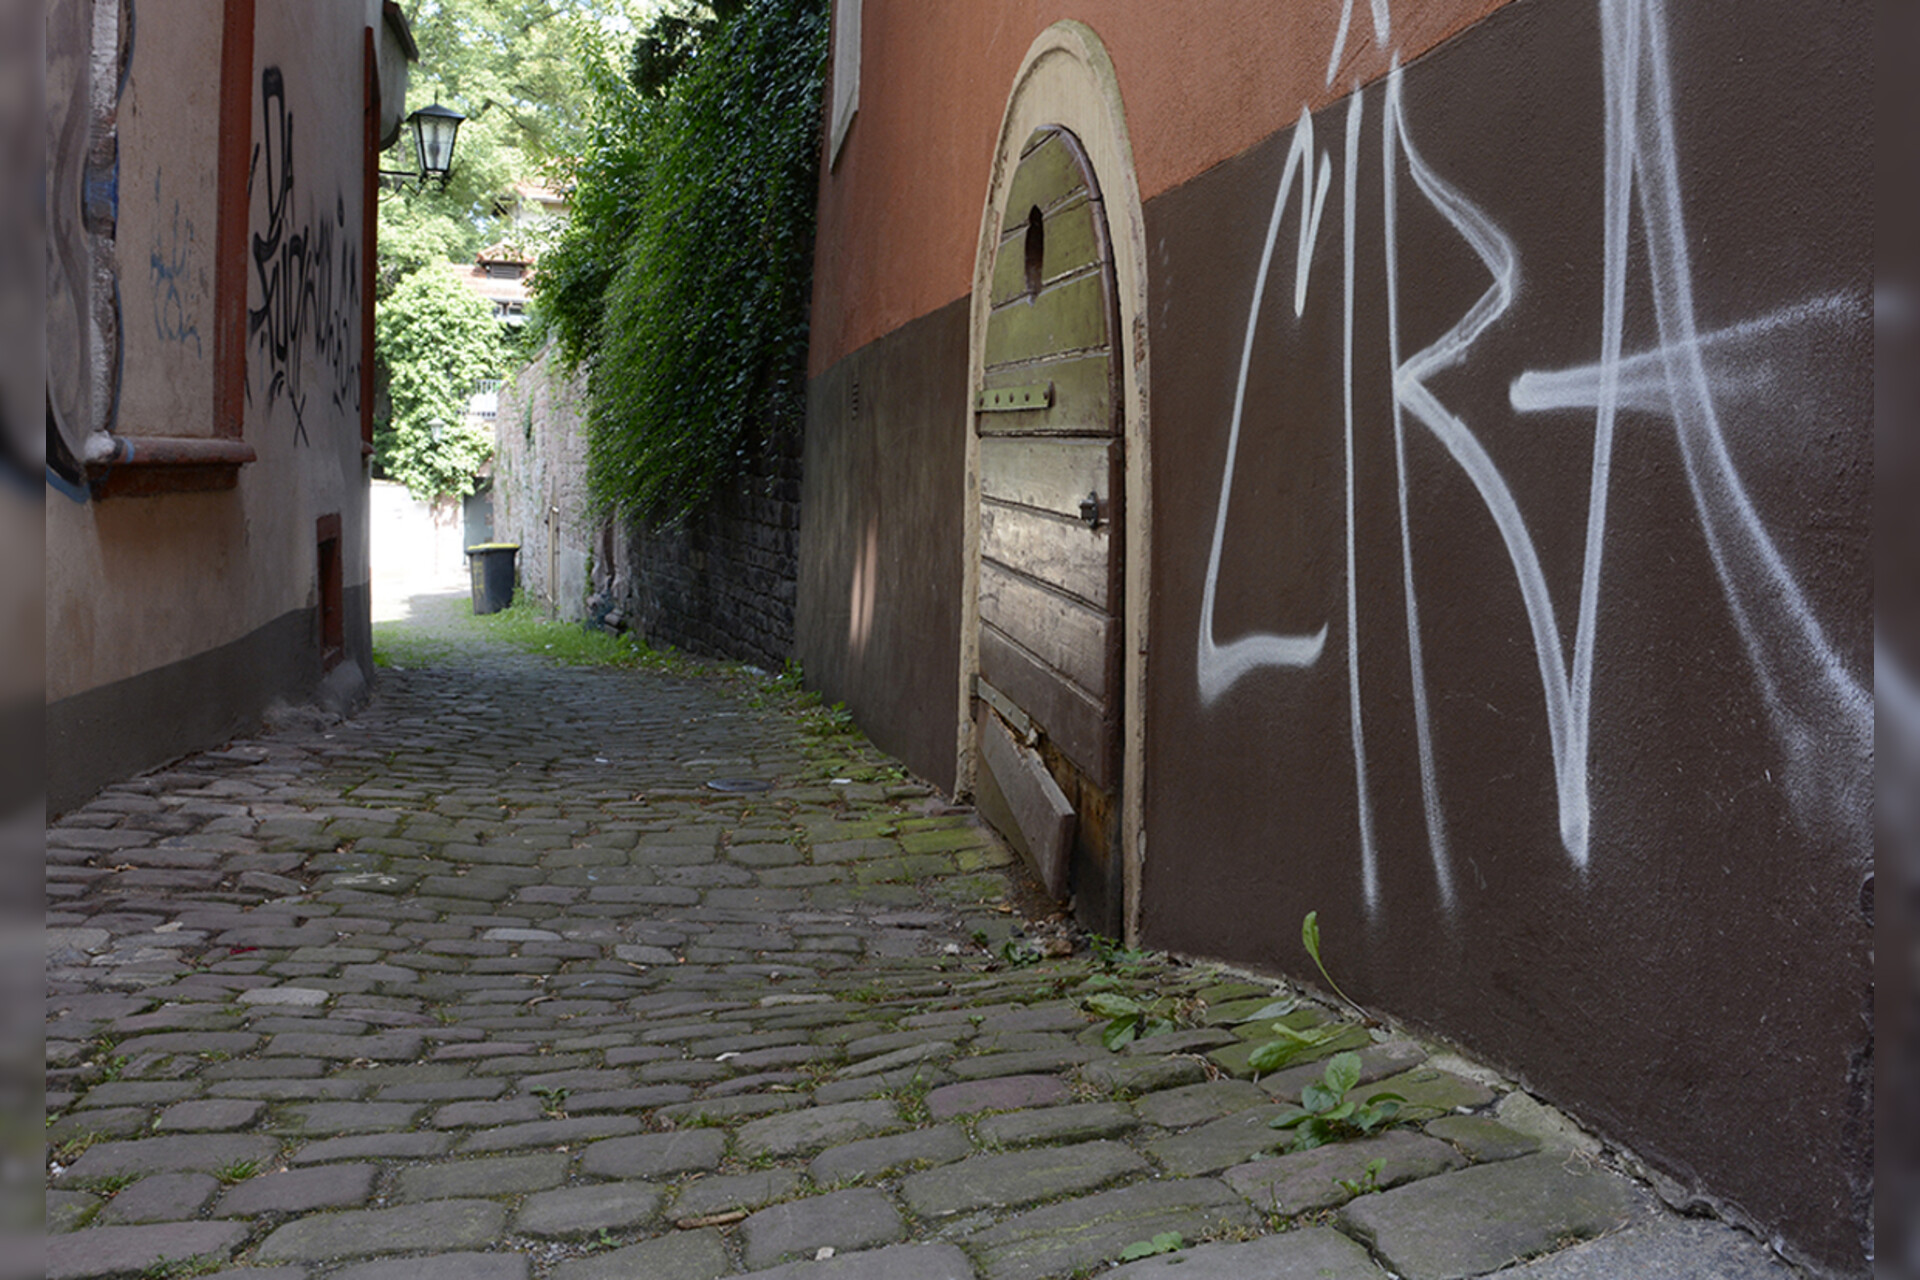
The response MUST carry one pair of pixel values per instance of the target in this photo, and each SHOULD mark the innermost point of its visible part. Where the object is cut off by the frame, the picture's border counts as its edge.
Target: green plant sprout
(237, 1171)
(1310, 938)
(1326, 1114)
(1289, 1043)
(1129, 1019)
(1367, 1183)
(1165, 1242)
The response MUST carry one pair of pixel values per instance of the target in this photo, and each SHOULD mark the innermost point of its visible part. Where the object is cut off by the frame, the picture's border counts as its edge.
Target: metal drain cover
(739, 784)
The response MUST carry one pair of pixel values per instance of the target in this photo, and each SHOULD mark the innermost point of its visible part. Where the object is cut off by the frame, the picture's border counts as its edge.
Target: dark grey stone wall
(722, 582)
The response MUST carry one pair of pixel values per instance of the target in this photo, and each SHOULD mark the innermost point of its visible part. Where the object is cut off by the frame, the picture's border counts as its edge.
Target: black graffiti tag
(309, 277)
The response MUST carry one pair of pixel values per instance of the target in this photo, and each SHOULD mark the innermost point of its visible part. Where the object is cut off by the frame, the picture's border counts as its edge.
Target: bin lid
(477, 548)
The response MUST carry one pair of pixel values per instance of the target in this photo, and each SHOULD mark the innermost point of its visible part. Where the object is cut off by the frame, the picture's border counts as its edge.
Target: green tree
(682, 281)
(437, 340)
(513, 68)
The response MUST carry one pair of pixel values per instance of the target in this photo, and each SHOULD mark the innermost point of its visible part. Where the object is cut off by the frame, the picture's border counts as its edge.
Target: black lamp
(434, 128)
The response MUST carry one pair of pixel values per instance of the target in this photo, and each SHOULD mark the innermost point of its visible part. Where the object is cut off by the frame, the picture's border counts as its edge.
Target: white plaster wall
(417, 550)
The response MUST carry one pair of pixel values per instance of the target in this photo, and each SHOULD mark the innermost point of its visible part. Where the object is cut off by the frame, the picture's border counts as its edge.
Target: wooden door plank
(1072, 721)
(1047, 175)
(1059, 550)
(1083, 398)
(1071, 242)
(1050, 475)
(1067, 317)
(1065, 634)
(1037, 805)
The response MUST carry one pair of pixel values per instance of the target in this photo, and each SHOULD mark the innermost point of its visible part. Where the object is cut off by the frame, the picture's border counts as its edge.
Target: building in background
(1409, 462)
(212, 189)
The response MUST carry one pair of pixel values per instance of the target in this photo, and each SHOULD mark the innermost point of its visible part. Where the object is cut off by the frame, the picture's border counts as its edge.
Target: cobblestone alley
(491, 983)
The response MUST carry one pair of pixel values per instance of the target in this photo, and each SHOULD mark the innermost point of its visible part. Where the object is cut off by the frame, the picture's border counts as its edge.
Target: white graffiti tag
(1821, 713)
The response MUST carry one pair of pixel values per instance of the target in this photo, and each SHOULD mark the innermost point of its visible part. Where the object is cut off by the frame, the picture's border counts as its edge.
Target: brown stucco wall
(900, 211)
(1692, 978)
(1661, 929)
(878, 616)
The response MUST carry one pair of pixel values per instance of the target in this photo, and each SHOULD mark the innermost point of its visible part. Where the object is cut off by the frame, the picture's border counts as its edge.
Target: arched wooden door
(1050, 419)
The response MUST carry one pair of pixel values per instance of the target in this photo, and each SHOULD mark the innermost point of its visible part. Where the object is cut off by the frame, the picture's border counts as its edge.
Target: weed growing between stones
(527, 628)
(912, 1099)
(237, 1171)
(111, 1065)
(1310, 939)
(1129, 1019)
(178, 1268)
(108, 1184)
(1367, 1183)
(1328, 1114)
(1165, 1242)
(75, 1147)
(1290, 1043)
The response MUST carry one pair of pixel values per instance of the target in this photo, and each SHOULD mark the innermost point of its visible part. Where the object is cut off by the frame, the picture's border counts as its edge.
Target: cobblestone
(435, 993)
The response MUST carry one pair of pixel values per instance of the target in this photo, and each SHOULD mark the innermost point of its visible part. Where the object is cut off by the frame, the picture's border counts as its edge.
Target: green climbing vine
(681, 284)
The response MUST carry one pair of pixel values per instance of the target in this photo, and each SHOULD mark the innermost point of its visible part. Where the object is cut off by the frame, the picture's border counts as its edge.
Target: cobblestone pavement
(491, 983)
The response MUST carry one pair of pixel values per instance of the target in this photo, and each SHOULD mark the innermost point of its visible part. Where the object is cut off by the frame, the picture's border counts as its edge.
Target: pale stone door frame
(1068, 80)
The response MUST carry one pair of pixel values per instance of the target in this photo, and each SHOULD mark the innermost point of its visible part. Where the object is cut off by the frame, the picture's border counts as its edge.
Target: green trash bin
(491, 565)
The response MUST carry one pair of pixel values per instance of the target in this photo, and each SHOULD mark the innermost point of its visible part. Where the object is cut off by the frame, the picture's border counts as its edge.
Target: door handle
(1090, 510)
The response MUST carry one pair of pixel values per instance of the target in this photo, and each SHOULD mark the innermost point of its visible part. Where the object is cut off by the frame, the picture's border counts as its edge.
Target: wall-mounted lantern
(434, 129)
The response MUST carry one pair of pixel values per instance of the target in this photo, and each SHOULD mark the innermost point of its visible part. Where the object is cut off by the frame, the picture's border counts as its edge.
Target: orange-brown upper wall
(1201, 81)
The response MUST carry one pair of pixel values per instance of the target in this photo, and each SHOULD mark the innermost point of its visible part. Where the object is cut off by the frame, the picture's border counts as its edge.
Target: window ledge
(135, 466)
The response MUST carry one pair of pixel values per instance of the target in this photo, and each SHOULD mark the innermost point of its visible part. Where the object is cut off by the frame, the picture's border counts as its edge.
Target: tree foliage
(681, 283)
(512, 67)
(437, 339)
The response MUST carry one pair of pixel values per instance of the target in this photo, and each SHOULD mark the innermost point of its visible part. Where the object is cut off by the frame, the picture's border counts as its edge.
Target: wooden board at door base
(1052, 516)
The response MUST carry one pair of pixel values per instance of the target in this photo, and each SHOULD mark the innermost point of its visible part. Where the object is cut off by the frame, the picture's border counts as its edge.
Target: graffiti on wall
(169, 264)
(1700, 382)
(308, 275)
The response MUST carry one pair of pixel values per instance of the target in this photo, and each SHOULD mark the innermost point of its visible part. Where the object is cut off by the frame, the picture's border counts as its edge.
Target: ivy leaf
(1119, 1033)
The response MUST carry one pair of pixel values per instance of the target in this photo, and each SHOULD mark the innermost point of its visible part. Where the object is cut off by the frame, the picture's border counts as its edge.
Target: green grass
(237, 1171)
(180, 1268)
(523, 626)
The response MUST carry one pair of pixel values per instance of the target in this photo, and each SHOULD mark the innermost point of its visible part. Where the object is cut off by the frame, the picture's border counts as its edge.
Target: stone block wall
(540, 484)
(720, 583)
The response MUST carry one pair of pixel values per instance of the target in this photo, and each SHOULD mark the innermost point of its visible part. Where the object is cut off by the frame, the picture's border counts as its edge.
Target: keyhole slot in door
(1036, 250)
